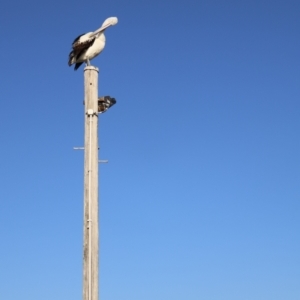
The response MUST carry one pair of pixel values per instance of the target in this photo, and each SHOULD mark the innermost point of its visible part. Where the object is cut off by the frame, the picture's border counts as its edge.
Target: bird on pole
(88, 45)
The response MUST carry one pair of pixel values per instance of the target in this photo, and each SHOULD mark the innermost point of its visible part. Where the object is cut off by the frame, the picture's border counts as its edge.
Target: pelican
(88, 45)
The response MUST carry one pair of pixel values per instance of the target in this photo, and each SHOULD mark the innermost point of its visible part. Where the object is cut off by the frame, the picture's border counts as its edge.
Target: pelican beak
(108, 22)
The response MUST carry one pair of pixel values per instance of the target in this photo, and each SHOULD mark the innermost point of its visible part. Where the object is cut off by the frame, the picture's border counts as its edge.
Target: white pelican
(89, 45)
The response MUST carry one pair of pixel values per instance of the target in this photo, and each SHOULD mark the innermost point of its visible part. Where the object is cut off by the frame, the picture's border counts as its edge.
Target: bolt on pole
(91, 217)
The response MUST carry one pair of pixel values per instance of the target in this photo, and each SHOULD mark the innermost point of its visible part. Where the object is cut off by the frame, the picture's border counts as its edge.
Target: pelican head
(108, 22)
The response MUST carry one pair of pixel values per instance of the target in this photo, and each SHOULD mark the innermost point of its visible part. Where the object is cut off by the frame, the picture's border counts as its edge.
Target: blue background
(200, 198)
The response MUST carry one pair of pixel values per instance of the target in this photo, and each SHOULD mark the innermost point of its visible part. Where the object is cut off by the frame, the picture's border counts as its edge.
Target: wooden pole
(91, 223)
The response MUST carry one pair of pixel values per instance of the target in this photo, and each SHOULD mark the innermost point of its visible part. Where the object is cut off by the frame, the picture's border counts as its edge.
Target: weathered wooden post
(91, 219)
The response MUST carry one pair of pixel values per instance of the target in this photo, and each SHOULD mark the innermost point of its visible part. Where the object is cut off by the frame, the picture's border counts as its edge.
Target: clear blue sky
(200, 199)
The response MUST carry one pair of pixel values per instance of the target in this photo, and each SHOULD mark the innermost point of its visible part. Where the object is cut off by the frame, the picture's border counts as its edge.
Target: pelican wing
(78, 38)
(80, 44)
(83, 41)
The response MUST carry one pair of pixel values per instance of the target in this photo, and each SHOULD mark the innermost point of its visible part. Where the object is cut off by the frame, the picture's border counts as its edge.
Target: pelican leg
(88, 62)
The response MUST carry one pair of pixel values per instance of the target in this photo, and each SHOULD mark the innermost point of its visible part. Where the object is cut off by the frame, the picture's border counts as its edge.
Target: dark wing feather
(79, 48)
(77, 38)
(77, 65)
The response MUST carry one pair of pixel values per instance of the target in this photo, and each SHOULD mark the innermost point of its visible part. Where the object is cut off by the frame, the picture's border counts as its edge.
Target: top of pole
(91, 68)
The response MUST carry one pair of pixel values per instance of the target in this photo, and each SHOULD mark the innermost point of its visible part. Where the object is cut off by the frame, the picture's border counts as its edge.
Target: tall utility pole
(91, 219)
(84, 48)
